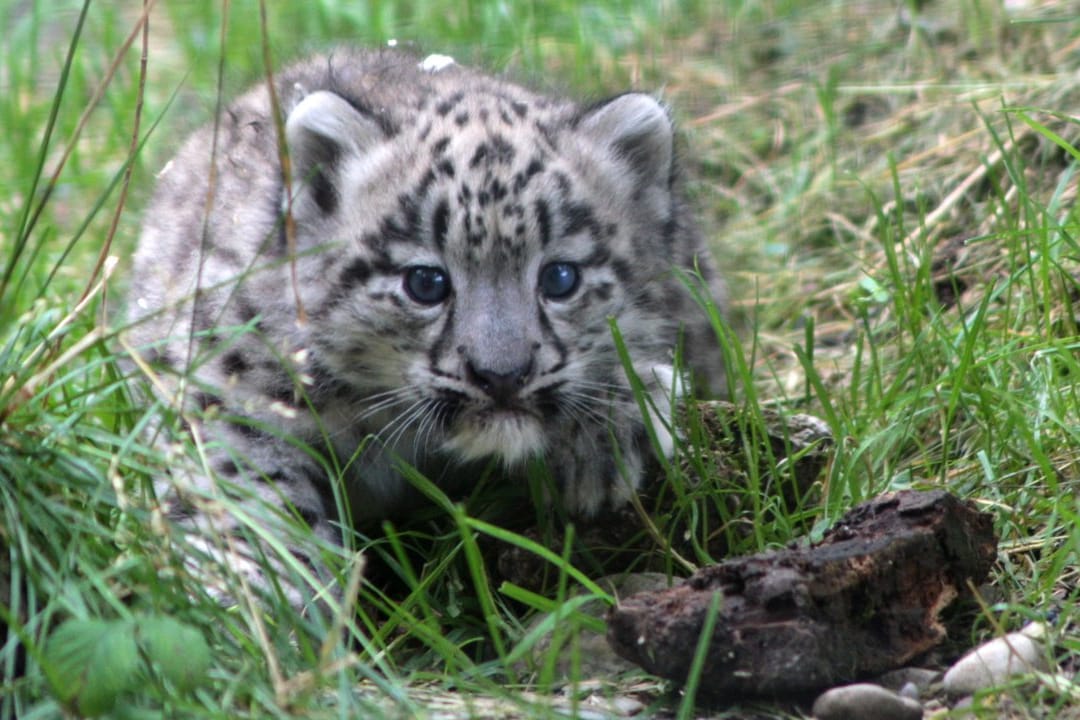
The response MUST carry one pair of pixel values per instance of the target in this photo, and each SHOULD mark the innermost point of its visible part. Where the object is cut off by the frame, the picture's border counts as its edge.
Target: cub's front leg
(256, 513)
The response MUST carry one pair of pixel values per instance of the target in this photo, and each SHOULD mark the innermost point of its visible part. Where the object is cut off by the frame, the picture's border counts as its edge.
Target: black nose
(500, 386)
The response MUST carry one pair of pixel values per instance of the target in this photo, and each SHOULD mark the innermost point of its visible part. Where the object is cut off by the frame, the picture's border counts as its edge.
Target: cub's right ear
(322, 130)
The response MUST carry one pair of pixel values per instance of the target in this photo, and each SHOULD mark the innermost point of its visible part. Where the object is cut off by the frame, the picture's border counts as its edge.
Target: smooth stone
(993, 663)
(865, 700)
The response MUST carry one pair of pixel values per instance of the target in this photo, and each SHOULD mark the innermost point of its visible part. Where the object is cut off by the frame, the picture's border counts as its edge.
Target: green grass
(892, 195)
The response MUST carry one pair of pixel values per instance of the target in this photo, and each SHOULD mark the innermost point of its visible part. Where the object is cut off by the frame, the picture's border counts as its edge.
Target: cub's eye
(427, 285)
(559, 280)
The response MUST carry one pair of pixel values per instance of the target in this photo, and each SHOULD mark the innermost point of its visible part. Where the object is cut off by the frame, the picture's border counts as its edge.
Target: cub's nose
(501, 387)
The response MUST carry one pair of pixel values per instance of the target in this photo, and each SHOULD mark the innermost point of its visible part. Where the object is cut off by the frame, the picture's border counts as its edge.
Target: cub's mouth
(511, 434)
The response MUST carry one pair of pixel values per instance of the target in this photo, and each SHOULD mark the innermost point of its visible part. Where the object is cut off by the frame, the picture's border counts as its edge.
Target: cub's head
(461, 263)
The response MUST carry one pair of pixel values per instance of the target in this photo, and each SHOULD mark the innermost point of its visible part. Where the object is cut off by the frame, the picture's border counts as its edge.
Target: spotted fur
(460, 245)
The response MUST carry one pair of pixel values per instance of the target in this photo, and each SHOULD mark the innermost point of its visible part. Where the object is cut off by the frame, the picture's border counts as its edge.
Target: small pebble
(626, 706)
(921, 678)
(864, 700)
(1034, 630)
(993, 663)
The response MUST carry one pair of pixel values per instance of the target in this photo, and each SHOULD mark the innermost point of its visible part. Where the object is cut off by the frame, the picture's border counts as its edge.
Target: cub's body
(431, 281)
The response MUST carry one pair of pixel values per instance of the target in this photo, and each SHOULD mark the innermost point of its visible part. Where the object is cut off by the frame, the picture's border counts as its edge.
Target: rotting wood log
(864, 600)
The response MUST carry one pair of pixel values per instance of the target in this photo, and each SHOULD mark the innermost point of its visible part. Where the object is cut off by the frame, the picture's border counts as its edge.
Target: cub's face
(460, 272)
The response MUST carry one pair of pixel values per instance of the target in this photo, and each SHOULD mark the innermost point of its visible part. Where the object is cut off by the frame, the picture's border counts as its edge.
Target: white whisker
(383, 401)
(615, 388)
(391, 434)
(431, 420)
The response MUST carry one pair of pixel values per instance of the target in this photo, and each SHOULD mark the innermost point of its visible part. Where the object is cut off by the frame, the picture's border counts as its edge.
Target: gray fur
(394, 167)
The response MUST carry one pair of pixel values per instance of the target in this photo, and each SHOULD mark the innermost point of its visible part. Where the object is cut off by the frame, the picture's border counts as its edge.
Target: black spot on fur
(440, 146)
(440, 224)
(520, 109)
(403, 229)
(522, 179)
(324, 381)
(578, 217)
(497, 150)
(446, 168)
(226, 468)
(475, 230)
(552, 339)
(547, 132)
(282, 238)
(585, 346)
(503, 151)
(600, 255)
(250, 432)
(623, 271)
(543, 222)
(422, 189)
(670, 232)
(443, 108)
(202, 319)
(225, 255)
(282, 391)
(245, 309)
(478, 156)
(603, 291)
(234, 363)
(438, 348)
(358, 272)
(564, 185)
(461, 118)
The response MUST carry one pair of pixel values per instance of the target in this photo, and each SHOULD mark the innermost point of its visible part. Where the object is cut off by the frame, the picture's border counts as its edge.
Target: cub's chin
(511, 436)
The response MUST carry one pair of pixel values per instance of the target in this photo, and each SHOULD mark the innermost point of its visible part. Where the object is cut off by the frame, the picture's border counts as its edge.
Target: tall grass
(893, 197)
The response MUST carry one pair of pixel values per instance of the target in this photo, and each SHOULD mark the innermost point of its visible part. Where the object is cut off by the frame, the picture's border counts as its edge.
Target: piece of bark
(864, 600)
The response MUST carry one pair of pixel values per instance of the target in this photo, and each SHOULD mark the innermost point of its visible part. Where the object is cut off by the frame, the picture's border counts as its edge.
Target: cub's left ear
(322, 131)
(636, 128)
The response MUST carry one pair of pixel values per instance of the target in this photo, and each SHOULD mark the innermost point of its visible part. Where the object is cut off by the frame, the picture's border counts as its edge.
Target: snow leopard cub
(430, 281)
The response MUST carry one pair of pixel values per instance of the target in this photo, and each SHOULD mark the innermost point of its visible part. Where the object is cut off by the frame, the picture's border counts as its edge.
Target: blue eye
(559, 280)
(427, 285)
